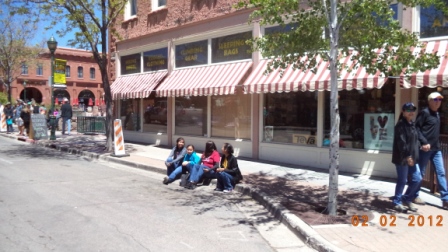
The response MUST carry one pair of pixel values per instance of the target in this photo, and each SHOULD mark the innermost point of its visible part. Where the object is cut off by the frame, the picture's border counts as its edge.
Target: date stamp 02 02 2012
(389, 220)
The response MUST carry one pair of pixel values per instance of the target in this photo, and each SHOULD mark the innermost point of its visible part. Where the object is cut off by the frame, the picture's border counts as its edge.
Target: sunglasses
(437, 99)
(409, 110)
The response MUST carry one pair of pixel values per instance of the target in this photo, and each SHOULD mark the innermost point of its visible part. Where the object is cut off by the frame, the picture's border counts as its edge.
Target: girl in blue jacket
(189, 160)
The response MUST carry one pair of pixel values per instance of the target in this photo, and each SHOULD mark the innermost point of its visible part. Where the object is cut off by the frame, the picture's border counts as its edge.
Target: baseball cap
(65, 99)
(409, 106)
(434, 95)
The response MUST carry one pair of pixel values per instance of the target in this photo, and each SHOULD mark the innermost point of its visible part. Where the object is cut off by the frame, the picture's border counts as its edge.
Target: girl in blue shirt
(189, 160)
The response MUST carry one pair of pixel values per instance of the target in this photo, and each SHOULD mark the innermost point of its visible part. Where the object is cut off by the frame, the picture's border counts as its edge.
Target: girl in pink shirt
(207, 167)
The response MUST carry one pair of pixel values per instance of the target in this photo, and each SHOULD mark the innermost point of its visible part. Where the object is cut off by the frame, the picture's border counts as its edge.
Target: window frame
(67, 73)
(39, 69)
(417, 25)
(80, 73)
(129, 8)
(92, 73)
(155, 5)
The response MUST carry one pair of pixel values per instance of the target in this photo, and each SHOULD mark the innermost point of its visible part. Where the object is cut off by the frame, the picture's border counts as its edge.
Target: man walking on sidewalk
(66, 115)
(428, 127)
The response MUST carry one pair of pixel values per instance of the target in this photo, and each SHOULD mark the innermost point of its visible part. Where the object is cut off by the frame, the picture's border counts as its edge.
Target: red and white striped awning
(207, 80)
(298, 80)
(136, 85)
(430, 78)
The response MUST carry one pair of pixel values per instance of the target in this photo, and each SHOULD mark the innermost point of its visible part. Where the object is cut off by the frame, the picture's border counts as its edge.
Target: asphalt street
(52, 201)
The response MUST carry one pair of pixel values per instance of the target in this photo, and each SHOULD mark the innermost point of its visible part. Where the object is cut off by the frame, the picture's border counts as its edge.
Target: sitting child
(189, 160)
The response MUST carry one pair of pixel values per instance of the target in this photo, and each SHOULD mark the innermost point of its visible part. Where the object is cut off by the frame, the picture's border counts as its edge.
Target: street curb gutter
(295, 224)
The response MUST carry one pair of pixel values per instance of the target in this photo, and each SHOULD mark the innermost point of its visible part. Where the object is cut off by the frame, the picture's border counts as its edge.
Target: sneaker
(227, 190)
(419, 201)
(218, 189)
(191, 185)
(166, 180)
(400, 208)
(411, 206)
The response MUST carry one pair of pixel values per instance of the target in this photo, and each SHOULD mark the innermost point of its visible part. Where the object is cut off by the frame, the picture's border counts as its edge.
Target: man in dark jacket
(428, 127)
(66, 115)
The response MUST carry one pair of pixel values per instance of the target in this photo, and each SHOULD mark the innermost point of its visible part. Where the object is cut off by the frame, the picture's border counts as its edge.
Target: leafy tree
(329, 29)
(15, 32)
(90, 20)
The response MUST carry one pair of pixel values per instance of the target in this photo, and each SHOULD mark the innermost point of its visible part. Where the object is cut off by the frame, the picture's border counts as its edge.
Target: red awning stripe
(298, 80)
(136, 85)
(434, 77)
(206, 80)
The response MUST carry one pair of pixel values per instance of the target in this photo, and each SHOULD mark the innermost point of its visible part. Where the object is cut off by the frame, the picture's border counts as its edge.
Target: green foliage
(3, 98)
(364, 26)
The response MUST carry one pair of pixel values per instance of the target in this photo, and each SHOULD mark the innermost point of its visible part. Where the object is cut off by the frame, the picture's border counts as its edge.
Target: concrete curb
(295, 224)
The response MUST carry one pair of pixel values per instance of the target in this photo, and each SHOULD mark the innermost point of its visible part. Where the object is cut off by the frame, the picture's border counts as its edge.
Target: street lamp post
(52, 45)
(24, 91)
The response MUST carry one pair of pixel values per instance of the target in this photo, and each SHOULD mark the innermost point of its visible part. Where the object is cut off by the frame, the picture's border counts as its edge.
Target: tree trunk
(109, 112)
(334, 113)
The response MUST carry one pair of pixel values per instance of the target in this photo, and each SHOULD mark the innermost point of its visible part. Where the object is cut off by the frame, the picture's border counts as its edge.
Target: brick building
(83, 79)
(182, 69)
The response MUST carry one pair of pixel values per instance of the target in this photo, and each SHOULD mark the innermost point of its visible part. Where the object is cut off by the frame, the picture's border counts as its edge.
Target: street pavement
(388, 230)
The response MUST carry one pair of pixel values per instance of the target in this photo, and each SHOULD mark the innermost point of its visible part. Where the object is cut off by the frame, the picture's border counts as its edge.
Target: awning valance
(136, 85)
(298, 80)
(207, 80)
(430, 78)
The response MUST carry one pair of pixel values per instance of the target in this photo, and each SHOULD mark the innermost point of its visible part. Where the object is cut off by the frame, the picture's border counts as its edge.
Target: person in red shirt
(207, 167)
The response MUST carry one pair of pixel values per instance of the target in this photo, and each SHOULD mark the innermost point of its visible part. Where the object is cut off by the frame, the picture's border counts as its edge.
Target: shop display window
(367, 118)
(155, 115)
(129, 114)
(231, 116)
(191, 116)
(290, 118)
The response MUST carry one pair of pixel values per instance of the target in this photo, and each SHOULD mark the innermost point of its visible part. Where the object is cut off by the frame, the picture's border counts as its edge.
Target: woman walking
(405, 157)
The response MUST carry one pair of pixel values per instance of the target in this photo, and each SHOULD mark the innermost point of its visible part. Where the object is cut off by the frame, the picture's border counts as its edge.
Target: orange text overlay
(389, 221)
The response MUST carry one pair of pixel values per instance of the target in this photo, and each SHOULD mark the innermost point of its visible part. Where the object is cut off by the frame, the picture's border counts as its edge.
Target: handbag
(9, 121)
(184, 179)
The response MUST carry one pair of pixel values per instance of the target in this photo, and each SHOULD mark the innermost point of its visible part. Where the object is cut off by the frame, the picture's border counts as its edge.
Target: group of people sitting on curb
(210, 165)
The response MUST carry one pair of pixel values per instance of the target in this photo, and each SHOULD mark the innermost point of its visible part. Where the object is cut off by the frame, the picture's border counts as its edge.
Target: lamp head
(52, 44)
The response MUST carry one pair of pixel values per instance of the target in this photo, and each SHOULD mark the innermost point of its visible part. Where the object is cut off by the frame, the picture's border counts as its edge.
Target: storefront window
(155, 115)
(367, 118)
(191, 116)
(290, 118)
(231, 116)
(129, 114)
(443, 110)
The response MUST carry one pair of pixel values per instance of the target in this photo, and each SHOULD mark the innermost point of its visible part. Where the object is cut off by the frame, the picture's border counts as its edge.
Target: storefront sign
(59, 71)
(378, 131)
(155, 60)
(130, 64)
(231, 48)
(191, 54)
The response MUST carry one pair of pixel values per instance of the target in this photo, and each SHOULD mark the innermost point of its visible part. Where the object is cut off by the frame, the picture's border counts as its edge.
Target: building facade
(184, 70)
(83, 79)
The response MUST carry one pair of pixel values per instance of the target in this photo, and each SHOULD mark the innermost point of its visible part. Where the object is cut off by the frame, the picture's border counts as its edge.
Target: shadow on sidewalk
(309, 201)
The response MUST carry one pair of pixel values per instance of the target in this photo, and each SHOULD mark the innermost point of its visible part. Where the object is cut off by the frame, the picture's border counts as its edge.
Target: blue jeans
(178, 171)
(197, 171)
(413, 186)
(67, 121)
(225, 181)
(170, 168)
(437, 162)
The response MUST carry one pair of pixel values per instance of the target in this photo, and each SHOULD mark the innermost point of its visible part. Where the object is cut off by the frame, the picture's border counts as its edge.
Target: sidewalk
(296, 196)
